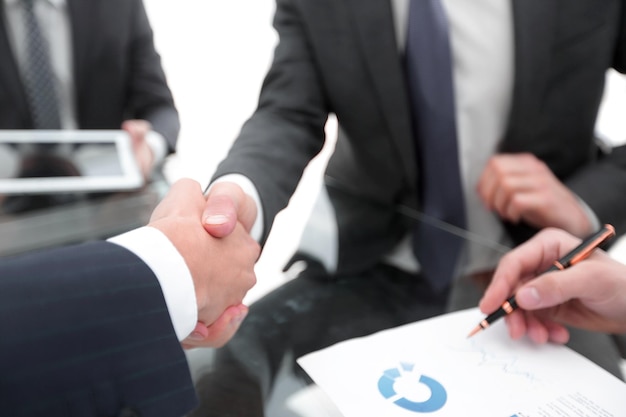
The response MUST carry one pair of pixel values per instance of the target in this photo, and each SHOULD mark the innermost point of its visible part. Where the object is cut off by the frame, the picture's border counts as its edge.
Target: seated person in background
(590, 295)
(93, 66)
(95, 328)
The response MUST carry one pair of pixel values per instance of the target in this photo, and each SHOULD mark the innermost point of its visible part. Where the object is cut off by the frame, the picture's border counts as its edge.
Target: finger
(487, 185)
(200, 332)
(226, 326)
(557, 333)
(220, 331)
(516, 323)
(498, 169)
(503, 187)
(536, 330)
(541, 329)
(517, 194)
(503, 199)
(198, 335)
(524, 204)
(509, 274)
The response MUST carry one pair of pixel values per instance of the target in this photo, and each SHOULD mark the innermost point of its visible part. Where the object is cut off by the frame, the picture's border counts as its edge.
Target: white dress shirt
(161, 256)
(482, 47)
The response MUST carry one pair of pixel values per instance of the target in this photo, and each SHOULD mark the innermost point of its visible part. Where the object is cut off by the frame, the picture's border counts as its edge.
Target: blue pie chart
(436, 401)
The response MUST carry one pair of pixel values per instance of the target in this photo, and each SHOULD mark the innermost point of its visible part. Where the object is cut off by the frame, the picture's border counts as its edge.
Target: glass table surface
(86, 217)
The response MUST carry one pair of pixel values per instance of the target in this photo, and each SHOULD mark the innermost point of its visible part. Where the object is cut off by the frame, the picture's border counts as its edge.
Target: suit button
(128, 412)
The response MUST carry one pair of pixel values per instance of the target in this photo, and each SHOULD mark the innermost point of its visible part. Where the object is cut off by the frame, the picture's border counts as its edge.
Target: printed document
(430, 368)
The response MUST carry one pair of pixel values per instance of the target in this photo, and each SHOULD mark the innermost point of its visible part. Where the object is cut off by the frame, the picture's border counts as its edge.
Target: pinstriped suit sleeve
(84, 331)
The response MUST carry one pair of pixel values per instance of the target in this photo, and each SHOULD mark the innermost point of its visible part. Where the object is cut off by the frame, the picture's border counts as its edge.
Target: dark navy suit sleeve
(85, 331)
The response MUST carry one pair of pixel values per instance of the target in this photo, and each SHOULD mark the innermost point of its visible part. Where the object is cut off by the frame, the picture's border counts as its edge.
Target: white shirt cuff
(168, 265)
(248, 187)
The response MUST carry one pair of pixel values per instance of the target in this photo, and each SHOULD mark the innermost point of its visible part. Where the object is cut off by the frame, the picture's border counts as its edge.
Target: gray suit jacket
(341, 56)
(117, 71)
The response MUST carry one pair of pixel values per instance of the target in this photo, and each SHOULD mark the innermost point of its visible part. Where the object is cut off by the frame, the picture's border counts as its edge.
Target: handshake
(212, 234)
(124, 305)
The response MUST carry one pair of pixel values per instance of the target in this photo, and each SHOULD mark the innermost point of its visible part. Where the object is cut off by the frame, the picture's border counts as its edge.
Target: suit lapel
(9, 72)
(374, 28)
(534, 35)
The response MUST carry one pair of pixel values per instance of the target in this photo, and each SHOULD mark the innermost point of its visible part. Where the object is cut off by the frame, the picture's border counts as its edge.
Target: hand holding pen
(589, 294)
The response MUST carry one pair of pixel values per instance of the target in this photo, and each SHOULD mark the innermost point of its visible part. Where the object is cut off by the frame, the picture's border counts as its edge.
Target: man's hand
(590, 295)
(520, 187)
(222, 268)
(138, 129)
(227, 210)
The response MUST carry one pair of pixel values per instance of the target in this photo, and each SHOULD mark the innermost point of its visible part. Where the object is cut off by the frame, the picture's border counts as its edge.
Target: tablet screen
(39, 162)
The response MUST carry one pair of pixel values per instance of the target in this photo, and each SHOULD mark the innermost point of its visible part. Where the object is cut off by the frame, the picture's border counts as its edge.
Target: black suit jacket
(85, 331)
(117, 71)
(341, 56)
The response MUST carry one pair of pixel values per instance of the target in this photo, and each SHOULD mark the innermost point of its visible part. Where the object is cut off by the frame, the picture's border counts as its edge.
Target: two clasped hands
(211, 232)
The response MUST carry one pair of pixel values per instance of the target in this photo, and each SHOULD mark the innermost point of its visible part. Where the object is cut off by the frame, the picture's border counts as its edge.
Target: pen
(579, 253)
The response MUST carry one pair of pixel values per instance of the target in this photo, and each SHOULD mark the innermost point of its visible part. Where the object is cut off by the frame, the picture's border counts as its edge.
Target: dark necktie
(429, 73)
(38, 75)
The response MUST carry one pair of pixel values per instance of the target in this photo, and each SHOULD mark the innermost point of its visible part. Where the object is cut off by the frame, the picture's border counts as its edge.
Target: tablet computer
(67, 161)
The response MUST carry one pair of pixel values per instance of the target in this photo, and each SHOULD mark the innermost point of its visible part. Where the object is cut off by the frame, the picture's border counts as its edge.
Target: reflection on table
(83, 217)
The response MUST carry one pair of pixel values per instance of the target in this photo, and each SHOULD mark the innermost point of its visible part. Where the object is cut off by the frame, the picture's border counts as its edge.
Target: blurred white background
(215, 54)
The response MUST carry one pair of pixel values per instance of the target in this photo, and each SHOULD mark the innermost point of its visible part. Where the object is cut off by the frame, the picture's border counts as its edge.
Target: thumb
(220, 215)
(552, 289)
(228, 204)
(529, 298)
